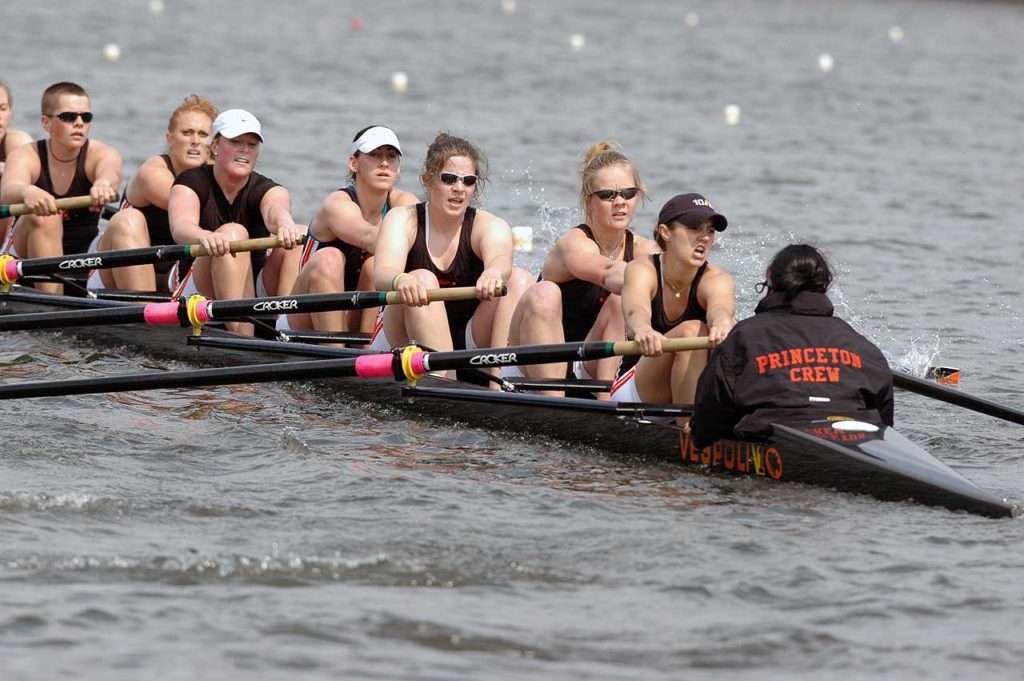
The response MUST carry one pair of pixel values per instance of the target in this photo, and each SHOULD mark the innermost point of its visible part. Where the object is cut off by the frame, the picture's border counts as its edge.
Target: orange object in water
(944, 375)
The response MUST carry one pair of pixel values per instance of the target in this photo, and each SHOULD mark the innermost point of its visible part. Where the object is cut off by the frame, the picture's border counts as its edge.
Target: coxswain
(794, 356)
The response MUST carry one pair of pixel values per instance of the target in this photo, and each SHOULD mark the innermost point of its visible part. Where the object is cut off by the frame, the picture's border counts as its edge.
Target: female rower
(216, 204)
(142, 220)
(675, 294)
(445, 241)
(791, 357)
(339, 257)
(10, 140)
(577, 296)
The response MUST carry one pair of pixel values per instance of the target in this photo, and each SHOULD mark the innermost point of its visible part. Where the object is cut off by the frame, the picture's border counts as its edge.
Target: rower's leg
(363, 320)
(610, 325)
(491, 321)
(227, 277)
(280, 270)
(5, 225)
(427, 324)
(538, 319)
(127, 229)
(687, 366)
(41, 237)
(324, 273)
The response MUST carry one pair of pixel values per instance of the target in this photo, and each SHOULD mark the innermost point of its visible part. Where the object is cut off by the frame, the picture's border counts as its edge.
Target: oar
(13, 209)
(200, 311)
(13, 269)
(408, 364)
(940, 392)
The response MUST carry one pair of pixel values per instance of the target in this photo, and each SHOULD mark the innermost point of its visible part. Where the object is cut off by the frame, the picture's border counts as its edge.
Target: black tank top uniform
(582, 300)
(215, 209)
(157, 223)
(354, 255)
(659, 319)
(81, 225)
(465, 270)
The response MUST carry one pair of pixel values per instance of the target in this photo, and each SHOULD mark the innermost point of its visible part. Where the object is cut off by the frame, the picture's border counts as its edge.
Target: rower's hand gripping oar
(198, 311)
(401, 364)
(69, 203)
(12, 269)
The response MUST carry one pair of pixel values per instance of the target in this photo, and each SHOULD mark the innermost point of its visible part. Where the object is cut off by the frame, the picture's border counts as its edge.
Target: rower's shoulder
(490, 221)
(15, 139)
(401, 197)
(24, 153)
(98, 149)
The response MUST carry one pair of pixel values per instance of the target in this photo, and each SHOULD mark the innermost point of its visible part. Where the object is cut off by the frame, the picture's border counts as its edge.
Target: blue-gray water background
(273, 531)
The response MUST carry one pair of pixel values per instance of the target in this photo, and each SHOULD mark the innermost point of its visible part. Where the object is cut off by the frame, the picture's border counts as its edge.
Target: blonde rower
(577, 297)
(142, 220)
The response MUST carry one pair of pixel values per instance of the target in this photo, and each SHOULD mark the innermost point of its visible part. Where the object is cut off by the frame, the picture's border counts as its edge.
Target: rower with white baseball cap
(227, 201)
(339, 257)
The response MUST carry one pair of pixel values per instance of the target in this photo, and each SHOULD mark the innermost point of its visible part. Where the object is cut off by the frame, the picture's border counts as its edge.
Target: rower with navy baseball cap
(691, 210)
(227, 201)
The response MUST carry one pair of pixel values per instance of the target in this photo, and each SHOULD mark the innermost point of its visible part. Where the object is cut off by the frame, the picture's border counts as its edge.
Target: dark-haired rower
(792, 357)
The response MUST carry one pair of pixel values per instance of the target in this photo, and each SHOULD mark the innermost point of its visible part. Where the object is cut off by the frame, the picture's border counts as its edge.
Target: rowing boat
(837, 451)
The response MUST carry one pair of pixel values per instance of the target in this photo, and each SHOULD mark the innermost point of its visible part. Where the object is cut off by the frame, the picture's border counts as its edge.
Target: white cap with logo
(374, 138)
(235, 122)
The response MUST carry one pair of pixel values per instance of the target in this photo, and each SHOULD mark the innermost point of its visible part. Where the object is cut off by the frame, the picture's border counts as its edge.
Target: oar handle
(668, 345)
(68, 203)
(243, 245)
(441, 294)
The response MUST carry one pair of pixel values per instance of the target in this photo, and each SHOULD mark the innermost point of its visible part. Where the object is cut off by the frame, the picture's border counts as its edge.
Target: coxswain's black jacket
(790, 358)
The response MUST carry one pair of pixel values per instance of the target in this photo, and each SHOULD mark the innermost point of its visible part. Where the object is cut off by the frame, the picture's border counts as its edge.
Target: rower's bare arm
(276, 208)
(391, 252)
(494, 245)
(153, 183)
(183, 215)
(105, 168)
(718, 290)
(639, 286)
(581, 259)
(20, 174)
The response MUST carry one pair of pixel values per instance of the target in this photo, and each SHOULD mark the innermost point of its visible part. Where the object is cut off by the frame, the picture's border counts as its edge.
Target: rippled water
(259, 532)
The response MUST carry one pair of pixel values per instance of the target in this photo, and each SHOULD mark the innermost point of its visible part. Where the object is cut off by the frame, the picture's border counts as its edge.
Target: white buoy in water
(399, 81)
(522, 238)
(825, 62)
(692, 19)
(156, 6)
(895, 34)
(111, 51)
(731, 113)
(577, 41)
(508, 6)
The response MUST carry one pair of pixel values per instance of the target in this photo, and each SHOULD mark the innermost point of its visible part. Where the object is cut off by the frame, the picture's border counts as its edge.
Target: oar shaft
(940, 392)
(15, 269)
(69, 203)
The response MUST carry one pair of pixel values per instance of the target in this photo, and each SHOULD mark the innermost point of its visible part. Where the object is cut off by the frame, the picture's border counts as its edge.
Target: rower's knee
(328, 267)
(542, 300)
(426, 277)
(235, 231)
(518, 282)
(688, 329)
(126, 229)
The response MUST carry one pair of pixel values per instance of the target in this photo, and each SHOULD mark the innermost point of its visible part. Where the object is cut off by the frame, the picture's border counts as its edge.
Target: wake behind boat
(833, 450)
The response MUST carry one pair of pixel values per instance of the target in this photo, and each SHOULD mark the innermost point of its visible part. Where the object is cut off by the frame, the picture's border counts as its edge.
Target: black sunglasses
(452, 178)
(72, 116)
(610, 194)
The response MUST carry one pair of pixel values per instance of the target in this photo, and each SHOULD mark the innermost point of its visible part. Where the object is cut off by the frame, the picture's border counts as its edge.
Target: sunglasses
(72, 116)
(452, 178)
(610, 194)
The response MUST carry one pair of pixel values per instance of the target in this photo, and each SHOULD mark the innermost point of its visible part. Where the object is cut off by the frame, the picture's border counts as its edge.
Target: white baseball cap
(235, 122)
(374, 138)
